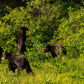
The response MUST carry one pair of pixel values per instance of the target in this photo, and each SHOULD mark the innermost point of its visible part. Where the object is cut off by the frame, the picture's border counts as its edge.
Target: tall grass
(53, 71)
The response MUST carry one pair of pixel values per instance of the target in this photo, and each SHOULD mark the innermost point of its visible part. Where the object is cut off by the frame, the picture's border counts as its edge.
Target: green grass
(53, 71)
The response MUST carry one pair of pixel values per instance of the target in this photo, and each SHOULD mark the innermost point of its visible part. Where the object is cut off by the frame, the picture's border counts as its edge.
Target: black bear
(17, 61)
(1, 50)
(21, 40)
(55, 49)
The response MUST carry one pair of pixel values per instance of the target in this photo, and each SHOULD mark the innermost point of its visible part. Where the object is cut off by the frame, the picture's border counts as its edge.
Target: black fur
(21, 40)
(54, 49)
(17, 61)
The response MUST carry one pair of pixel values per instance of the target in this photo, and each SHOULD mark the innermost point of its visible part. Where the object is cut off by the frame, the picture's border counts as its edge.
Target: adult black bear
(21, 40)
(17, 61)
(55, 49)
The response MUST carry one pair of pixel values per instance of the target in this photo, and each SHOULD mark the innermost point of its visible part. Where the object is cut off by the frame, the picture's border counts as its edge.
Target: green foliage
(71, 32)
(47, 22)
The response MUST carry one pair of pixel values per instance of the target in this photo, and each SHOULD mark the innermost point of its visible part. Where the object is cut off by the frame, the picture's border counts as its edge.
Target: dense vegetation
(47, 22)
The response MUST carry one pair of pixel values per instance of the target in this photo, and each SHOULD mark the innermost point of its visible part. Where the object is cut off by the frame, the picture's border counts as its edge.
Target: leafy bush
(71, 33)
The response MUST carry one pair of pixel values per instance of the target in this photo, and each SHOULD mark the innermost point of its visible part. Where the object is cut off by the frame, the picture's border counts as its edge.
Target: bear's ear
(48, 45)
(6, 52)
